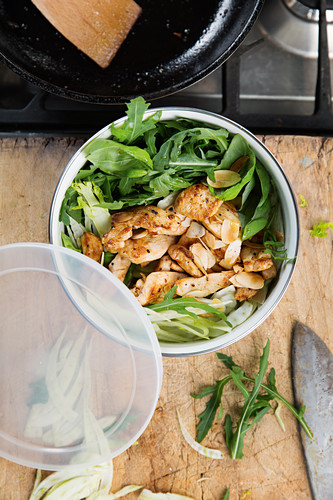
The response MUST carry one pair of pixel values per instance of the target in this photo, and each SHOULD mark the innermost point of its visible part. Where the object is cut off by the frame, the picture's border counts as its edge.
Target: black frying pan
(173, 44)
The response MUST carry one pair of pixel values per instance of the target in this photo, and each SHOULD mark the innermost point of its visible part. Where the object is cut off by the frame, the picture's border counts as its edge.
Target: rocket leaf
(255, 405)
(182, 304)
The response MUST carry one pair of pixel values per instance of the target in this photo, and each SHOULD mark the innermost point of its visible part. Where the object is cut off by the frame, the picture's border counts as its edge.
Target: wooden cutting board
(273, 466)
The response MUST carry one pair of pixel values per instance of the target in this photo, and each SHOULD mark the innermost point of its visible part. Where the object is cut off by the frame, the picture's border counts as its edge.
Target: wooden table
(273, 466)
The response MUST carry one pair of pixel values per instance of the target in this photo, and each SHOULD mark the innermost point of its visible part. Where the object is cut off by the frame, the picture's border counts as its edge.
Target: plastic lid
(80, 365)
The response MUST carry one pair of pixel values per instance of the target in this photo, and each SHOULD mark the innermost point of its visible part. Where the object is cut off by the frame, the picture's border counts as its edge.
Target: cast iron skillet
(173, 44)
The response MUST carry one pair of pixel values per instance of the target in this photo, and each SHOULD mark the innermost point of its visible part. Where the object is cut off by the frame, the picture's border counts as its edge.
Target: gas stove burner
(293, 26)
(308, 9)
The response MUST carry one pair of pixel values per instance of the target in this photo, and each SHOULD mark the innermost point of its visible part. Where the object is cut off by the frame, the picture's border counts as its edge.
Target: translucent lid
(80, 365)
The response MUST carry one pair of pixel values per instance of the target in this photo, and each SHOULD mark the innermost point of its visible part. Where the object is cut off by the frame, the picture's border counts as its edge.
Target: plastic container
(80, 365)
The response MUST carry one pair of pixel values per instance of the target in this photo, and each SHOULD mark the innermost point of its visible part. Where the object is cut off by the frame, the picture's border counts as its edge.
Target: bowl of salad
(192, 213)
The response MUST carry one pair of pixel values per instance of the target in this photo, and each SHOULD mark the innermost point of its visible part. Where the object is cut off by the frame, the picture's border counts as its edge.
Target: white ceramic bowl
(289, 214)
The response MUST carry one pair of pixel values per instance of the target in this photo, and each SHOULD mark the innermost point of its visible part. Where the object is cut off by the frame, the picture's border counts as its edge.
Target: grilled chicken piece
(156, 285)
(225, 224)
(114, 240)
(167, 264)
(155, 219)
(204, 286)
(119, 266)
(244, 294)
(269, 273)
(184, 257)
(150, 247)
(255, 259)
(92, 246)
(197, 203)
(152, 218)
(164, 264)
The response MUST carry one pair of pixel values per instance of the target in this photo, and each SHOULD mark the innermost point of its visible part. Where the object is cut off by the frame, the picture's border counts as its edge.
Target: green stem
(284, 401)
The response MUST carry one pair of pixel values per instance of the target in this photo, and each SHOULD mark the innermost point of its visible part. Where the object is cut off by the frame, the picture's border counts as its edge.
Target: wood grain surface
(273, 465)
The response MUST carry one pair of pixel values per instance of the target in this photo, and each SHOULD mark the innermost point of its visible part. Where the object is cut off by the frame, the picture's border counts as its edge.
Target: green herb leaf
(237, 443)
(165, 183)
(265, 182)
(67, 242)
(135, 127)
(207, 417)
(275, 248)
(227, 495)
(119, 159)
(229, 434)
(303, 202)
(255, 405)
(232, 192)
(182, 304)
(108, 257)
(238, 148)
(227, 360)
(320, 230)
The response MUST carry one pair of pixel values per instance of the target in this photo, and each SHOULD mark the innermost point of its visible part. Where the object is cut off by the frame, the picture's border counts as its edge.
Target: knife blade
(312, 366)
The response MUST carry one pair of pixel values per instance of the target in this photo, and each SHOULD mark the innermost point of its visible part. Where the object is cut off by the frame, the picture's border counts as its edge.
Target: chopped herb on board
(320, 230)
(303, 202)
(256, 404)
(227, 495)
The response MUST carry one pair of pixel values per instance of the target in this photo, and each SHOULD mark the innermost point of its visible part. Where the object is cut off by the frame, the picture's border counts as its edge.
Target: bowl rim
(261, 314)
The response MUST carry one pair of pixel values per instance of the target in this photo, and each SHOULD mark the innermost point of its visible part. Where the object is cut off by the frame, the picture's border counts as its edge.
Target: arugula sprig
(274, 247)
(182, 304)
(256, 404)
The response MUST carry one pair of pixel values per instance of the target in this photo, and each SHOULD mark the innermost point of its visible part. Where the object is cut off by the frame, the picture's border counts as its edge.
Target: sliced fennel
(75, 484)
(90, 483)
(202, 450)
(112, 496)
(172, 326)
(149, 495)
(89, 199)
(66, 418)
(75, 231)
(278, 417)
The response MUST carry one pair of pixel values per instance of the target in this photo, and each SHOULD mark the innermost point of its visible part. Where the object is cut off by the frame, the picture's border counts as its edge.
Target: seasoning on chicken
(167, 264)
(269, 273)
(195, 244)
(243, 293)
(255, 259)
(115, 239)
(204, 286)
(155, 286)
(152, 218)
(92, 246)
(119, 266)
(150, 247)
(197, 203)
(184, 257)
(155, 219)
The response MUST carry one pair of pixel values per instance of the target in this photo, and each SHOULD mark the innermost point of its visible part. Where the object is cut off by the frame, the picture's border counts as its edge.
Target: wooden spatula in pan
(96, 27)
